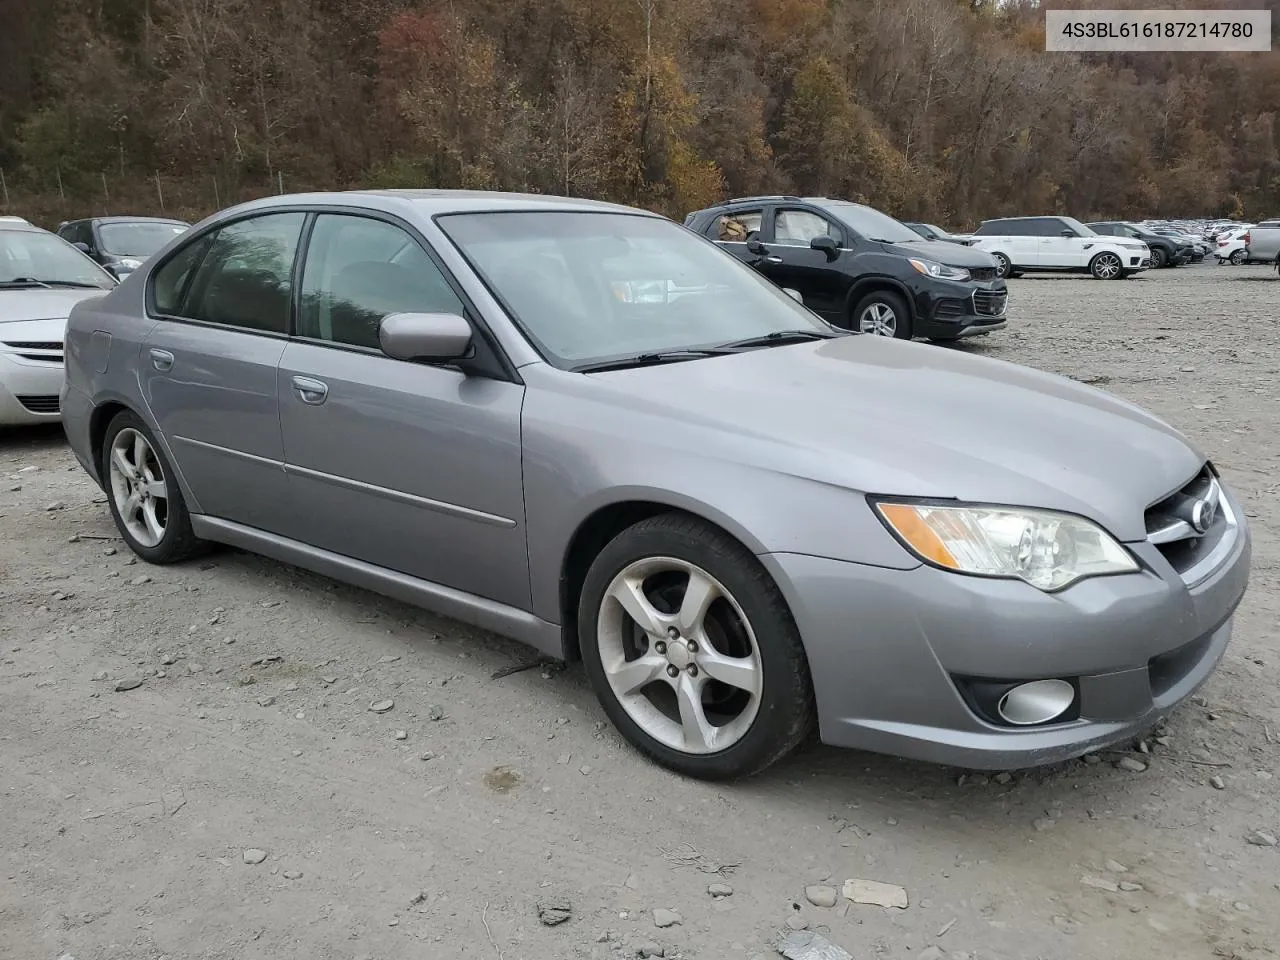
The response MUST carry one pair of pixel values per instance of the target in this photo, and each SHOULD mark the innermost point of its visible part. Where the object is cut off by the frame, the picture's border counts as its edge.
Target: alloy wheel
(1107, 266)
(138, 487)
(878, 319)
(680, 655)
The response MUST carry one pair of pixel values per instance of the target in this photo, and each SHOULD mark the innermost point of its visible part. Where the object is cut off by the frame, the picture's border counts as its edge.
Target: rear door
(208, 369)
(414, 467)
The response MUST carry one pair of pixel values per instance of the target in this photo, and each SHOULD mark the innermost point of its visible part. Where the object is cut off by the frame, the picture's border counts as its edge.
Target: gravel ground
(129, 820)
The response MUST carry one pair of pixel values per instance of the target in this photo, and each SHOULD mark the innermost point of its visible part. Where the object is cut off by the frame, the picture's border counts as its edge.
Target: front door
(1057, 250)
(409, 466)
(208, 368)
(794, 264)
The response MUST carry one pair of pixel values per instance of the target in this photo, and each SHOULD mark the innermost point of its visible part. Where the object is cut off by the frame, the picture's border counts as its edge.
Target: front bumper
(948, 310)
(889, 651)
(28, 390)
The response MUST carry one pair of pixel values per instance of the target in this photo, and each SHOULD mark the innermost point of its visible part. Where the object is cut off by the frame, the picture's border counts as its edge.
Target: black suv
(1165, 251)
(120, 243)
(859, 268)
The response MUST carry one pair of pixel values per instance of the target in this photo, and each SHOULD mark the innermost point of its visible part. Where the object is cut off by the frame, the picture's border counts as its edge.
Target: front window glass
(1078, 227)
(137, 239)
(870, 223)
(35, 258)
(589, 287)
(796, 228)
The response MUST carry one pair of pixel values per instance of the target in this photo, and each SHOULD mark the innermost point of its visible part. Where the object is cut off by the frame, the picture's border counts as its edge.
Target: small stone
(168, 659)
(666, 918)
(194, 668)
(1164, 741)
(109, 552)
(254, 856)
(1003, 778)
(797, 922)
(1115, 866)
(1260, 838)
(820, 895)
(161, 674)
(293, 874)
(390, 659)
(16, 488)
(806, 945)
(632, 882)
(402, 734)
(720, 890)
(1092, 759)
(435, 712)
(128, 683)
(381, 706)
(875, 893)
(1217, 783)
(1128, 886)
(100, 675)
(139, 581)
(56, 505)
(1241, 906)
(428, 755)
(1100, 883)
(554, 911)
(329, 681)
(1142, 747)
(650, 949)
(585, 769)
(74, 538)
(297, 753)
(1132, 764)
(1044, 823)
(931, 953)
(266, 701)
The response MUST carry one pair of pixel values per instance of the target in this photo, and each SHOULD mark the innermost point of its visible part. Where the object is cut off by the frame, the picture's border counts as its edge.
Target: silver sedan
(585, 427)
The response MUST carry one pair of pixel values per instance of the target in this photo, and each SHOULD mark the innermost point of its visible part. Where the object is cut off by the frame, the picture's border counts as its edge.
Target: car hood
(952, 254)
(887, 417)
(41, 304)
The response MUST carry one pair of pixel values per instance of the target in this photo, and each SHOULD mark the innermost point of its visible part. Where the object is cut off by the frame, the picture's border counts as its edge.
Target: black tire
(1158, 258)
(179, 542)
(1237, 257)
(786, 713)
(885, 299)
(1004, 266)
(1101, 265)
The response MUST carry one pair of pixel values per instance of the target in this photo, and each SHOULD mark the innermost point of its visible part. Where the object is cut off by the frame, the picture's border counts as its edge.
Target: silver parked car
(585, 427)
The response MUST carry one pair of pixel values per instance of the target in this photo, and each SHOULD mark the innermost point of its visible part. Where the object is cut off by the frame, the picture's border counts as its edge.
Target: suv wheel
(1158, 258)
(1237, 257)
(144, 497)
(883, 313)
(1106, 266)
(1004, 268)
(692, 650)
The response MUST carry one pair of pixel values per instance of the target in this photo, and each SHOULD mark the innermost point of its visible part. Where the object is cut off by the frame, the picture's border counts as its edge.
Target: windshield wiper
(777, 339)
(47, 284)
(649, 360)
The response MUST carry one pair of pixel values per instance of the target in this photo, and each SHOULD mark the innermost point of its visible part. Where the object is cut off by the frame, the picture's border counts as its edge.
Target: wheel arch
(879, 282)
(108, 409)
(602, 525)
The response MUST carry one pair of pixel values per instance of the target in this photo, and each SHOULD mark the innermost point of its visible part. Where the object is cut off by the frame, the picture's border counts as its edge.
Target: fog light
(1036, 702)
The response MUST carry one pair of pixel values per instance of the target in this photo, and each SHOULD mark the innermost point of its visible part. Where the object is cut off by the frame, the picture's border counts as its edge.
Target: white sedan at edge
(41, 278)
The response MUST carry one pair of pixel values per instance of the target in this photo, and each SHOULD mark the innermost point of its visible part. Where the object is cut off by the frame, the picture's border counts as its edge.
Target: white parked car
(1057, 245)
(1231, 246)
(41, 279)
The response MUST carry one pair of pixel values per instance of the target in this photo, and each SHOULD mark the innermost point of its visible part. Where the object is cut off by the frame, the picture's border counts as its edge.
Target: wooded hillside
(945, 110)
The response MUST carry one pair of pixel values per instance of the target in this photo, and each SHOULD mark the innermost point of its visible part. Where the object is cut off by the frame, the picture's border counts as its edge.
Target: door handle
(162, 360)
(310, 391)
(772, 259)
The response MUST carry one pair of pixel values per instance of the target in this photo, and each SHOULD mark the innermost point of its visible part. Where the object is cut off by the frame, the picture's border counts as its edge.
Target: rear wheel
(1106, 266)
(1237, 257)
(143, 495)
(692, 650)
(883, 313)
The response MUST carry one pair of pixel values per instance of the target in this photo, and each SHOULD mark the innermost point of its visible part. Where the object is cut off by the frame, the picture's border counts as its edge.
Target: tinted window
(170, 282)
(736, 227)
(139, 238)
(1001, 228)
(1106, 229)
(360, 270)
(244, 278)
(797, 227)
(1269, 225)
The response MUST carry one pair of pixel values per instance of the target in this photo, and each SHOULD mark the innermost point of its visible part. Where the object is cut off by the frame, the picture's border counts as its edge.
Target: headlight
(1046, 549)
(941, 271)
(129, 263)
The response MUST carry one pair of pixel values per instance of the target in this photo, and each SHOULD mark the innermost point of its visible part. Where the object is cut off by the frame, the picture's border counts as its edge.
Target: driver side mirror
(827, 245)
(1069, 233)
(756, 248)
(431, 337)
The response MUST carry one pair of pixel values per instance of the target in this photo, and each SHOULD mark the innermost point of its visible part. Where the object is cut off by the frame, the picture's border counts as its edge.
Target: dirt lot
(125, 816)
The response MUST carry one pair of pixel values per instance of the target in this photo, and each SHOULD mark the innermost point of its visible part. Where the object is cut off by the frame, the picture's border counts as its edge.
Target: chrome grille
(1194, 526)
(983, 273)
(41, 351)
(988, 303)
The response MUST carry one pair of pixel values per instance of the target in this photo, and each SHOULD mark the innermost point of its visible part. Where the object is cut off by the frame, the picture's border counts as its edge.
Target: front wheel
(883, 313)
(1106, 266)
(1158, 258)
(1004, 267)
(143, 494)
(692, 650)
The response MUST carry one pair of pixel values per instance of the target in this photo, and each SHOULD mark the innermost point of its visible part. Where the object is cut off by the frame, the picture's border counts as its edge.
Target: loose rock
(56, 505)
(1128, 886)
(435, 712)
(1044, 823)
(1260, 838)
(1003, 778)
(254, 856)
(931, 953)
(1115, 866)
(139, 581)
(1217, 783)
(402, 734)
(109, 552)
(797, 922)
(821, 895)
(381, 706)
(128, 683)
(651, 949)
(554, 911)
(719, 890)
(1100, 883)
(666, 918)
(1132, 764)
(293, 874)
(875, 893)
(806, 945)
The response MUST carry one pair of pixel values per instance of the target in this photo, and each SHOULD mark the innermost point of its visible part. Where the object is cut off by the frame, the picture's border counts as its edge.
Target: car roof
(1037, 217)
(173, 220)
(20, 226)
(433, 202)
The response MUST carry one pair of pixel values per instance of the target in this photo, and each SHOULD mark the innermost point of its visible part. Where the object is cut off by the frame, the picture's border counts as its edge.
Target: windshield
(591, 287)
(1078, 227)
(37, 256)
(138, 238)
(870, 224)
